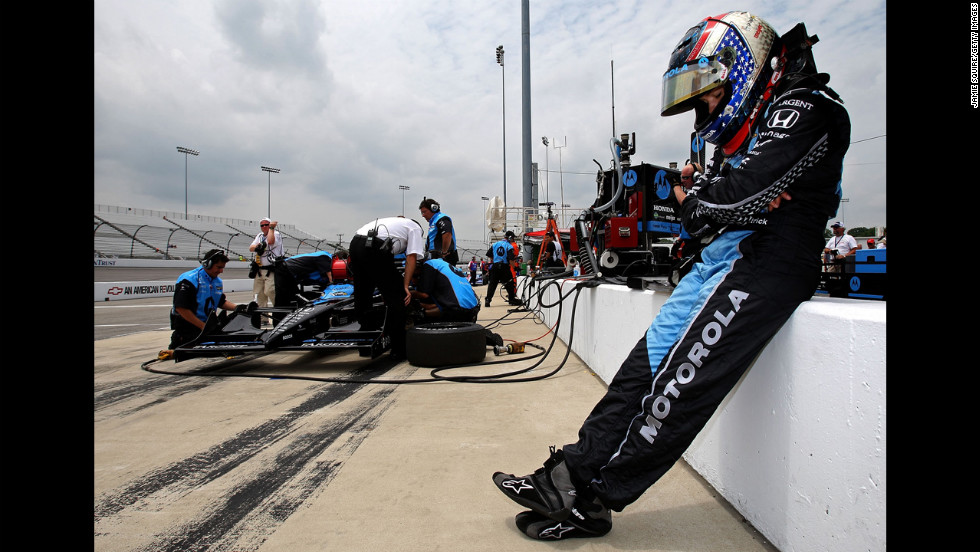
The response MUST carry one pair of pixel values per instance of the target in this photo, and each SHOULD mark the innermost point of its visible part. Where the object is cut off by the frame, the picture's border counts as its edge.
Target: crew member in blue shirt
(441, 235)
(198, 293)
(503, 256)
(444, 292)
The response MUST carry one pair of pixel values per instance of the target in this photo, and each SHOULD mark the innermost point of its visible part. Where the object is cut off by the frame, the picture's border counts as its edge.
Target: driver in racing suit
(765, 198)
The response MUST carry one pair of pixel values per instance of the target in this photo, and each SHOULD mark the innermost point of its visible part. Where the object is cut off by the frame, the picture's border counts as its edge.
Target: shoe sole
(540, 527)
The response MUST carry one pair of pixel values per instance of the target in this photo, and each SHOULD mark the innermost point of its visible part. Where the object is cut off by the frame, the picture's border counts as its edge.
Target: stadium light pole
(186, 151)
(485, 200)
(561, 180)
(270, 170)
(547, 188)
(403, 188)
(503, 103)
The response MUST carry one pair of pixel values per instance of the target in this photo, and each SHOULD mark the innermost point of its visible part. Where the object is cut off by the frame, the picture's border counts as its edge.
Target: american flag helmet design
(731, 50)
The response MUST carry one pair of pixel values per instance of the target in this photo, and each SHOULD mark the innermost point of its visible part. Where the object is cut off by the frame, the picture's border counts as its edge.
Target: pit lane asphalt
(268, 463)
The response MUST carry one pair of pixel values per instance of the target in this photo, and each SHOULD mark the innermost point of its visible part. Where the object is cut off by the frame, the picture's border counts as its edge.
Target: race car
(327, 322)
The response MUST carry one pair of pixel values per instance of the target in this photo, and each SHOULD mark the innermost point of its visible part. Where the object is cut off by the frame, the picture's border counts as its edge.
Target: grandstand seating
(145, 234)
(123, 232)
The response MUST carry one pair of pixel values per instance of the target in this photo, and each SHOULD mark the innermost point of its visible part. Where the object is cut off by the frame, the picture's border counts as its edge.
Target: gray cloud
(351, 100)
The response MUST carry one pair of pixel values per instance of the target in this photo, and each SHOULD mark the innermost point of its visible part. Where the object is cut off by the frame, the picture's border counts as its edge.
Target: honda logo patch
(784, 118)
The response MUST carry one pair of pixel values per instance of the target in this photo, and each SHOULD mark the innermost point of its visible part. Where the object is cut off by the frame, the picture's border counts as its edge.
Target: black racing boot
(548, 491)
(586, 521)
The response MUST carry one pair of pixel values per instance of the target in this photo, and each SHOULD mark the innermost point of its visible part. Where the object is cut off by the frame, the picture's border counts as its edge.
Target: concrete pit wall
(798, 447)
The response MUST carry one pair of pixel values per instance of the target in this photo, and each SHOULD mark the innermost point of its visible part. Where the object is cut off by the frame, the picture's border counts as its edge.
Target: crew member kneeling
(444, 292)
(198, 293)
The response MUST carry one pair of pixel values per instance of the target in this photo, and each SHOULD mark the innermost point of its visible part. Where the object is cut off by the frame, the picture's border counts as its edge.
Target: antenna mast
(613, 81)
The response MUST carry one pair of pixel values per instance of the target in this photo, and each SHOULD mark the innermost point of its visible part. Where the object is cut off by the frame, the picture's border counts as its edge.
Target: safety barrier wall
(114, 291)
(157, 263)
(798, 447)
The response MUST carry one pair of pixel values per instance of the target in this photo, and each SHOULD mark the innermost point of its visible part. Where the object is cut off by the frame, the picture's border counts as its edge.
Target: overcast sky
(351, 100)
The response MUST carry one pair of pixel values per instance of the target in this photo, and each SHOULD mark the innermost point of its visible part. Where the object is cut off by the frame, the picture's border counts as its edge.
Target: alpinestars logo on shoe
(516, 485)
(555, 532)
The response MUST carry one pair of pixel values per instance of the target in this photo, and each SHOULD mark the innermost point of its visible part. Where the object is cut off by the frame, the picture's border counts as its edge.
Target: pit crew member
(372, 265)
(441, 234)
(444, 291)
(197, 294)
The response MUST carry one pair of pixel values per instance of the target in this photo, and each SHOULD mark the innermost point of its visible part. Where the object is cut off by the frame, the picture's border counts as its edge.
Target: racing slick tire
(440, 344)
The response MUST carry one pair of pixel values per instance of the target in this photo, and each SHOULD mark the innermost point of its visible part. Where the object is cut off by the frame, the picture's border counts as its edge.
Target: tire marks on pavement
(236, 493)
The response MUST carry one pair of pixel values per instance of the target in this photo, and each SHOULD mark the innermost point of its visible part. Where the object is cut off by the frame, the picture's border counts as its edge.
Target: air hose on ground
(435, 374)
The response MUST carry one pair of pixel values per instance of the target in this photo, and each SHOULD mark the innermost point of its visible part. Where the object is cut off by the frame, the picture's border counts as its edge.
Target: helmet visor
(689, 81)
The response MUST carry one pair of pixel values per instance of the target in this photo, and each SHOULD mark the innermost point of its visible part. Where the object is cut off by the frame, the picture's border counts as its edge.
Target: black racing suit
(746, 284)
